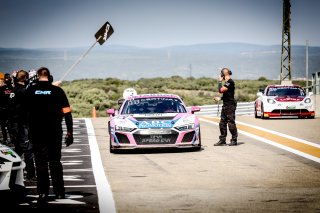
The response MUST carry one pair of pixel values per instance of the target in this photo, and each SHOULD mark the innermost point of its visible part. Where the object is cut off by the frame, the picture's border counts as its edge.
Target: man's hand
(69, 139)
(220, 78)
(57, 83)
(217, 98)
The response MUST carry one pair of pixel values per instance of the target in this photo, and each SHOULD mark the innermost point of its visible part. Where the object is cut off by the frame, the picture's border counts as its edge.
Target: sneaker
(220, 143)
(233, 143)
(42, 199)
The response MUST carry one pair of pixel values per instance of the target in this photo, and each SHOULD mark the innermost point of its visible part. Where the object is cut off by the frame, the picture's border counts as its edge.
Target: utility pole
(307, 66)
(285, 71)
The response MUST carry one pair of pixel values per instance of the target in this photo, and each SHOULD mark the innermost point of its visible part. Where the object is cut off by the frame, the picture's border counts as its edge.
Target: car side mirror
(195, 109)
(111, 112)
(259, 94)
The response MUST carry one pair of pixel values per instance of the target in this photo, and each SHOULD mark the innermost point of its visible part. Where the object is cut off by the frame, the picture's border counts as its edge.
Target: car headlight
(271, 101)
(185, 127)
(307, 100)
(124, 129)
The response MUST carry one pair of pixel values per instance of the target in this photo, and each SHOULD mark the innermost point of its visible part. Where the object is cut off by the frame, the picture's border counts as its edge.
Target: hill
(248, 61)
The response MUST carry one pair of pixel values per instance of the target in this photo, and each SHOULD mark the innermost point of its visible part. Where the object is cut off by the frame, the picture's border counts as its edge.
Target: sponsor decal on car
(155, 124)
(8, 152)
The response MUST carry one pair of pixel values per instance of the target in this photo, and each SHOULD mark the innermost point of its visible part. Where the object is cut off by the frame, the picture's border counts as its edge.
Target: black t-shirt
(228, 96)
(5, 94)
(45, 103)
(16, 109)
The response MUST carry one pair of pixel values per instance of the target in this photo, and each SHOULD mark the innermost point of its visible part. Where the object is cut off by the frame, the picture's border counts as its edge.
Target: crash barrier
(244, 108)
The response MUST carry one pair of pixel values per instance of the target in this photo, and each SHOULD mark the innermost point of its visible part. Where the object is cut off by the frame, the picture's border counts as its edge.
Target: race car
(11, 169)
(153, 121)
(284, 100)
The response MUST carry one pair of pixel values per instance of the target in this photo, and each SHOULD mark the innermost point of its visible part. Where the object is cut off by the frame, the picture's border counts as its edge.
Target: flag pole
(80, 59)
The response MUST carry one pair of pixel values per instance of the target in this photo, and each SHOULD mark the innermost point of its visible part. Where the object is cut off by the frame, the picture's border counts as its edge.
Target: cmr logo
(41, 92)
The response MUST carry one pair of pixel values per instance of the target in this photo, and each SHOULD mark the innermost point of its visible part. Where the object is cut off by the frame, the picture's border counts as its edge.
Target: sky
(154, 23)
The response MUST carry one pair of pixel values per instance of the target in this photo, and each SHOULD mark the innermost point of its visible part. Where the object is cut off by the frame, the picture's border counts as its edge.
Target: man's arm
(66, 110)
(69, 122)
(222, 89)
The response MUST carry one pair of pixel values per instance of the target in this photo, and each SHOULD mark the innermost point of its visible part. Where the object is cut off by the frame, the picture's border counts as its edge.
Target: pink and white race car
(153, 121)
(284, 100)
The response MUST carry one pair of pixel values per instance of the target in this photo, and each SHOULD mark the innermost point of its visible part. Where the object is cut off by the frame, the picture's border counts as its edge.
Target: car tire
(262, 112)
(255, 111)
(199, 139)
(311, 117)
(110, 147)
(110, 142)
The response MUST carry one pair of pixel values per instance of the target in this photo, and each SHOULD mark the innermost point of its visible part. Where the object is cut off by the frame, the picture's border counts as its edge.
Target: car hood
(158, 120)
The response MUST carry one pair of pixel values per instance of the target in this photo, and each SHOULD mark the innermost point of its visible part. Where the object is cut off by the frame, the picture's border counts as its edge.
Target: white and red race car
(283, 100)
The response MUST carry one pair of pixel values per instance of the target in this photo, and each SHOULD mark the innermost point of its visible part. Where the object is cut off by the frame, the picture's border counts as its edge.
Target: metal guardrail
(244, 108)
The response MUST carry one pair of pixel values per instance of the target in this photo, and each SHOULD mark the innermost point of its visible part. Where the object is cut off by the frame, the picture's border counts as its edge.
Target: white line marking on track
(71, 150)
(302, 154)
(78, 170)
(71, 186)
(75, 156)
(105, 198)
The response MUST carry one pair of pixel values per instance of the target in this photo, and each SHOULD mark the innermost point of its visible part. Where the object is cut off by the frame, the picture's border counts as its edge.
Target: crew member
(17, 123)
(47, 105)
(5, 93)
(228, 108)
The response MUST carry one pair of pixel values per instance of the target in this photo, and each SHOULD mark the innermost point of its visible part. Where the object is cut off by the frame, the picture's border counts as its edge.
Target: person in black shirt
(5, 94)
(47, 105)
(2, 109)
(228, 108)
(17, 123)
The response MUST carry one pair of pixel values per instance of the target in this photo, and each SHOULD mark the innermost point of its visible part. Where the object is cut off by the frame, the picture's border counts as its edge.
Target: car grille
(122, 138)
(290, 111)
(155, 139)
(188, 137)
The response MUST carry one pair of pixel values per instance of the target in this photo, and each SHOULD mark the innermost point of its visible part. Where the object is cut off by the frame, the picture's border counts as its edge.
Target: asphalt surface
(81, 192)
(251, 177)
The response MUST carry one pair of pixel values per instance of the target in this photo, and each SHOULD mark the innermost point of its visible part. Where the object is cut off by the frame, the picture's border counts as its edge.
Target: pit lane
(251, 177)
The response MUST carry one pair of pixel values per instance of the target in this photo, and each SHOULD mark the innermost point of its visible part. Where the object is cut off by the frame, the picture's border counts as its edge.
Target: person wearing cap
(47, 105)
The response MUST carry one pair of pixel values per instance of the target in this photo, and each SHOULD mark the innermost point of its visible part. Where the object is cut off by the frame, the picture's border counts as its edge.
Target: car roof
(153, 96)
(277, 85)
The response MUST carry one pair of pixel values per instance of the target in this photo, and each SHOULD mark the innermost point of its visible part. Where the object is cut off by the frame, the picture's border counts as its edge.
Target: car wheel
(255, 111)
(110, 142)
(262, 112)
(199, 139)
(110, 147)
(311, 117)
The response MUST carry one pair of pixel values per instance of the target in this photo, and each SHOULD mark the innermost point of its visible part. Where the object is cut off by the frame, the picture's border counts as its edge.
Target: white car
(281, 100)
(11, 169)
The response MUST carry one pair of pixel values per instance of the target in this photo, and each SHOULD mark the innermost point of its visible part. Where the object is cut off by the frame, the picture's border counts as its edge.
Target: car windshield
(153, 105)
(285, 91)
